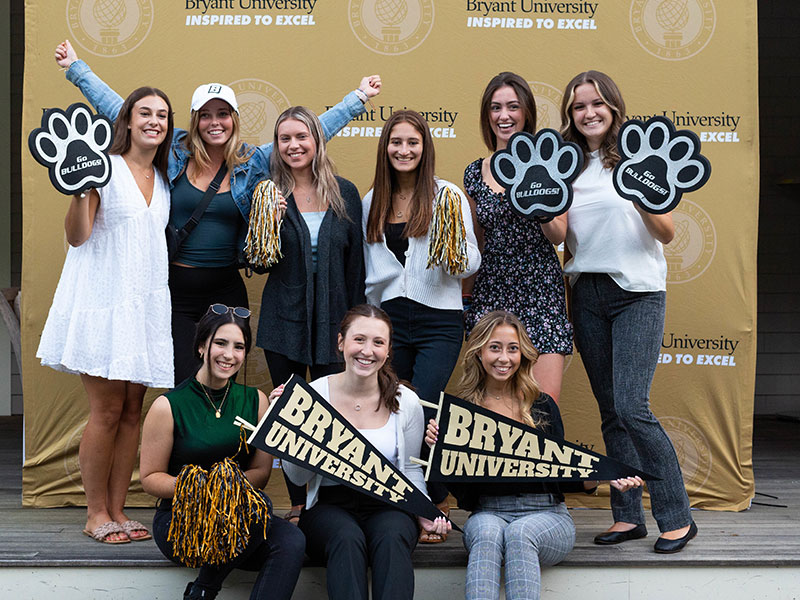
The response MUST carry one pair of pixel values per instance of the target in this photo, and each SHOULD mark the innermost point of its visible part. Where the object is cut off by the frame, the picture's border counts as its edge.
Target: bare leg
(126, 446)
(549, 371)
(96, 453)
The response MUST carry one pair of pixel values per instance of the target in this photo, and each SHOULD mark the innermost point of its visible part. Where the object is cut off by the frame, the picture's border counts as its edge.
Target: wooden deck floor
(761, 536)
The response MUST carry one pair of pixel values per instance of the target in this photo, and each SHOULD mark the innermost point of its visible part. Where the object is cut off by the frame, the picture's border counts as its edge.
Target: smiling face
(215, 122)
(506, 116)
(223, 355)
(365, 346)
(501, 355)
(404, 148)
(149, 122)
(591, 115)
(296, 145)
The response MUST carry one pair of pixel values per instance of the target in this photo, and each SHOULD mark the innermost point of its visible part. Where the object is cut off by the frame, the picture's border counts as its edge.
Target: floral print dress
(520, 271)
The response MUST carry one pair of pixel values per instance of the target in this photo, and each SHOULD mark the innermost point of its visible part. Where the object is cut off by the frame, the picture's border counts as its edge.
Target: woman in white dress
(110, 318)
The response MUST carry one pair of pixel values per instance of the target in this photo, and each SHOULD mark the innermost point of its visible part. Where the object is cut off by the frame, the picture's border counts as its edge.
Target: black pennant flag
(477, 444)
(303, 428)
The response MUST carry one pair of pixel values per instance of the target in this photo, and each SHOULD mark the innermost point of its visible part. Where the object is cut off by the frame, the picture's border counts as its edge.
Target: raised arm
(105, 100)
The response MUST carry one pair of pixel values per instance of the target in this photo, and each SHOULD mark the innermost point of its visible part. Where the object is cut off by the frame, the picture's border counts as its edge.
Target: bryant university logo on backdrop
(109, 27)
(391, 26)
(693, 450)
(260, 105)
(673, 29)
(691, 251)
(548, 105)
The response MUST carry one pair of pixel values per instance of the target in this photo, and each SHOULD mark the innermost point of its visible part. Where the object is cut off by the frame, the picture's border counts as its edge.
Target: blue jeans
(425, 349)
(618, 334)
(278, 558)
(528, 530)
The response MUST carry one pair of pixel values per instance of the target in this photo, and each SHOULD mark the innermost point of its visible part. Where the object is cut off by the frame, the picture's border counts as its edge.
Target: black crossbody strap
(201, 207)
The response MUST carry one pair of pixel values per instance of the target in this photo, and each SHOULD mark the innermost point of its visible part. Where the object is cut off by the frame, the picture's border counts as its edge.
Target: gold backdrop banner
(436, 56)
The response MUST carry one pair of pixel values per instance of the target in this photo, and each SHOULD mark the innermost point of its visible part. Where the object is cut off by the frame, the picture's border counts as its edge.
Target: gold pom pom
(212, 512)
(448, 236)
(263, 247)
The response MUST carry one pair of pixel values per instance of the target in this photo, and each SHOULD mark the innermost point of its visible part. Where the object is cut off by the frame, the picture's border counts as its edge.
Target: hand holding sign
(73, 145)
(658, 164)
(537, 171)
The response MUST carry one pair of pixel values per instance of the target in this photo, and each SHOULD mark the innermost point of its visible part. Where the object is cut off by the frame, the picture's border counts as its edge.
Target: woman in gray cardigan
(321, 274)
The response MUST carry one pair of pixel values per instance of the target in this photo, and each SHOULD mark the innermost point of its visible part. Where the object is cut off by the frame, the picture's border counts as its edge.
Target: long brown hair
(524, 388)
(526, 102)
(421, 204)
(322, 168)
(122, 135)
(610, 94)
(388, 383)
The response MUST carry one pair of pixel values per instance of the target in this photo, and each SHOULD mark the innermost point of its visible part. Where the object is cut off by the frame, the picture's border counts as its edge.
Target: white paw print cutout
(658, 164)
(537, 171)
(73, 145)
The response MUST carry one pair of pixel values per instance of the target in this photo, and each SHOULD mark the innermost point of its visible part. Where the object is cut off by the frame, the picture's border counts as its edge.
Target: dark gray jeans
(618, 334)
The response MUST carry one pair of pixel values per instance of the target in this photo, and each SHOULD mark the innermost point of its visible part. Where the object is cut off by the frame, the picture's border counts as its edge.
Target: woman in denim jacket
(205, 269)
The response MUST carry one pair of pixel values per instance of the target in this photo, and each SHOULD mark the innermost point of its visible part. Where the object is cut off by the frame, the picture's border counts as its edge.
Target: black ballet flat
(664, 546)
(617, 537)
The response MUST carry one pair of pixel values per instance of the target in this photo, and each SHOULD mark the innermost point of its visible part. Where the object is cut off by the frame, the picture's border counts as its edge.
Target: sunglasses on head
(222, 309)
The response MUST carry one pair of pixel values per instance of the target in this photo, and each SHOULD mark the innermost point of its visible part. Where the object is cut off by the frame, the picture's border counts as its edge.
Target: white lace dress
(111, 311)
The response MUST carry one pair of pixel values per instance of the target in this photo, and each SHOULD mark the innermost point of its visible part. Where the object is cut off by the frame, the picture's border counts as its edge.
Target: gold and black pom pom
(263, 247)
(448, 236)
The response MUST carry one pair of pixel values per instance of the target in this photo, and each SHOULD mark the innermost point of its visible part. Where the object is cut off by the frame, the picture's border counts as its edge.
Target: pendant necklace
(403, 198)
(217, 410)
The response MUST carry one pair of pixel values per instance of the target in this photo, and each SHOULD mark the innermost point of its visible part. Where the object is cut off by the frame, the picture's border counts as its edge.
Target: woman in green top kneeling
(193, 425)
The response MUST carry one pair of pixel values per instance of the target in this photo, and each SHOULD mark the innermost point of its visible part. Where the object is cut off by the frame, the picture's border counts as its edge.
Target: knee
(479, 531)
(347, 541)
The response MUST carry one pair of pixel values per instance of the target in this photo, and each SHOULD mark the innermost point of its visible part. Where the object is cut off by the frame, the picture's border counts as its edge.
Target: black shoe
(664, 546)
(195, 592)
(616, 537)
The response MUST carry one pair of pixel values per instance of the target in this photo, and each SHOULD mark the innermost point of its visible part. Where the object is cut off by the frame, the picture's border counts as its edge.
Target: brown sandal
(101, 533)
(293, 516)
(428, 537)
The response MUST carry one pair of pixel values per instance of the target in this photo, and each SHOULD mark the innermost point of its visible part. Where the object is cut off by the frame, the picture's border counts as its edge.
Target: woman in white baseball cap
(205, 268)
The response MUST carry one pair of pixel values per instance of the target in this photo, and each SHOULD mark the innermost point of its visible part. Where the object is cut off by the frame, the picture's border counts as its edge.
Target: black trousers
(350, 531)
(280, 369)
(193, 290)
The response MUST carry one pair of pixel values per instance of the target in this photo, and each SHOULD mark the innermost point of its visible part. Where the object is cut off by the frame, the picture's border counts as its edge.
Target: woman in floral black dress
(519, 270)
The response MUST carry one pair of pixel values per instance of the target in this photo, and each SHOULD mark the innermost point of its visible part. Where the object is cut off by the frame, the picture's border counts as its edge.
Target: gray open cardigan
(301, 312)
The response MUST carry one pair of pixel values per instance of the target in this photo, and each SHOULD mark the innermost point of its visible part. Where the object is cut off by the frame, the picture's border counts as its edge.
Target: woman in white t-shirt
(617, 274)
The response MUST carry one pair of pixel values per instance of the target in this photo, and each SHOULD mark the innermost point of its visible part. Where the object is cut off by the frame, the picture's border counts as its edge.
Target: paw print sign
(658, 164)
(73, 145)
(537, 171)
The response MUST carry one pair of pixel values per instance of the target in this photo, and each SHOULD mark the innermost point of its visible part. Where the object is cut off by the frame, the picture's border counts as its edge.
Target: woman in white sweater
(345, 528)
(617, 273)
(423, 303)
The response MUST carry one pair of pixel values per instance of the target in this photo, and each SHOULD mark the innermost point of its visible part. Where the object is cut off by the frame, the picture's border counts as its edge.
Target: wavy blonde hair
(236, 152)
(323, 170)
(524, 388)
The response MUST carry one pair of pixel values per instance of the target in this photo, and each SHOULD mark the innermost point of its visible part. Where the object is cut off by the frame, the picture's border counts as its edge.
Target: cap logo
(214, 89)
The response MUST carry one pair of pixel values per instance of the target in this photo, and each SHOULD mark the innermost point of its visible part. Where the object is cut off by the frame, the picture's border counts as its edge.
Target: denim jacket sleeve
(105, 100)
(331, 120)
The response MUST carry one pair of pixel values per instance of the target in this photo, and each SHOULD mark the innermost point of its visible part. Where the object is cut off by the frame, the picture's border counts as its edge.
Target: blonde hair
(235, 152)
(524, 388)
(323, 170)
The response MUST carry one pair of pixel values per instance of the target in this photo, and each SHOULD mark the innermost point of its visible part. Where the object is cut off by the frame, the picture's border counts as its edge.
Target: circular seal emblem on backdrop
(109, 27)
(548, 105)
(260, 105)
(694, 453)
(673, 29)
(694, 245)
(391, 26)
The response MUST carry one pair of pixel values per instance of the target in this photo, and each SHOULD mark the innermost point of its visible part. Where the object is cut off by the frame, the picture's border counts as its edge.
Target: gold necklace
(403, 198)
(217, 410)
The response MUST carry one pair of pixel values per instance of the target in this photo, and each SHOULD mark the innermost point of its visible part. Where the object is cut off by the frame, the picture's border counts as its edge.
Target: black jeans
(350, 531)
(278, 558)
(193, 290)
(425, 349)
(280, 369)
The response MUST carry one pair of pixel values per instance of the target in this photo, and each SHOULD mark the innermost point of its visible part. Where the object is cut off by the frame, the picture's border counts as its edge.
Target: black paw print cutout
(537, 171)
(658, 164)
(73, 145)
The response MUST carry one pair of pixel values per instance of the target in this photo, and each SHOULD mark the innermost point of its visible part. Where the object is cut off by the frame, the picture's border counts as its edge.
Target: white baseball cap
(209, 91)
